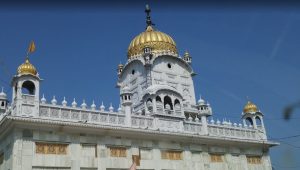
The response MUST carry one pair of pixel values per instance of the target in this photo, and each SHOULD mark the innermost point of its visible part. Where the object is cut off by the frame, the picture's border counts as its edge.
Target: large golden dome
(156, 40)
(27, 68)
(250, 107)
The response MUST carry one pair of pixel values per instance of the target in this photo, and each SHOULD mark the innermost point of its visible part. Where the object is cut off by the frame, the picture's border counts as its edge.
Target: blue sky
(236, 53)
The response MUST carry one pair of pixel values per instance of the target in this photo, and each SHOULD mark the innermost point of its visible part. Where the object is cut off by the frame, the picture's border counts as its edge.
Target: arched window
(258, 121)
(149, 104)
(177, 104)
(158, 99)
(168, 103)
(28, 88)
(249, 121)
(147, 50)
(159, 104)
(16, 88)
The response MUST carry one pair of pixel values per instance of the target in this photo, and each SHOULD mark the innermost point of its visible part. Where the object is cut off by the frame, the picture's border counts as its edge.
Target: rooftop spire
(148, 18)
(248, 99)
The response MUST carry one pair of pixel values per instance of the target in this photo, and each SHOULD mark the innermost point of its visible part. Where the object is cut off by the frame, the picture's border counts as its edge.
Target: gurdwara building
(159, 125)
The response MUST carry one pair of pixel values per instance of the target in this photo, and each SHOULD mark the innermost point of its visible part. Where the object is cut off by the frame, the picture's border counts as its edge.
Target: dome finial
(148, 18)
(2, 94)
(250, 107)
(27, 67)
(158, 42)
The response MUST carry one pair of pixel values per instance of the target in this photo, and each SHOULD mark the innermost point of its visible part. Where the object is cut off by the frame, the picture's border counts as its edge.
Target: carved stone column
(154, 104)
(204, 125)
(75, 152)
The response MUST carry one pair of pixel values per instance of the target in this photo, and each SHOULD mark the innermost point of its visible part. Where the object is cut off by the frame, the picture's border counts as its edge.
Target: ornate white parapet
(229, 131)
(159, 121)
(169, 125)
(192, 127)
(55, 112)
(142, 122)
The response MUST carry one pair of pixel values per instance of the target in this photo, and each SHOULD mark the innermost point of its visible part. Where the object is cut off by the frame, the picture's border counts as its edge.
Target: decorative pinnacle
(148, 18)
(102, 107)
(74, 104)
(43, 99)
(54, 101)
(64, 102)
(93, 106)
(247, 97)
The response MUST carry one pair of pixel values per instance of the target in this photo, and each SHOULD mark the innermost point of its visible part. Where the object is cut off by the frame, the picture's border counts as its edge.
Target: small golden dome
(27, 68)
(186, 55)
(156, 40)
(250, 107)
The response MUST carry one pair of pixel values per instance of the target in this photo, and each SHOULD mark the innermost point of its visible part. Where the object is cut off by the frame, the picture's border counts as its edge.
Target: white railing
(206, 112)
(232, 131)
(192, 127)
(169, 125)
(192, 107)
(142, 122)
(167, 122)
(28, 99)
(81, 115)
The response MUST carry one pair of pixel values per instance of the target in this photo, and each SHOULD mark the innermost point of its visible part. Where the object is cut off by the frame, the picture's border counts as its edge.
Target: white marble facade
(158, 119)
(91, 150)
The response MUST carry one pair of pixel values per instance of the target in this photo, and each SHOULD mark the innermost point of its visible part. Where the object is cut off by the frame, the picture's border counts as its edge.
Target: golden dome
(156, 40)
(27, 68)
(250, 107)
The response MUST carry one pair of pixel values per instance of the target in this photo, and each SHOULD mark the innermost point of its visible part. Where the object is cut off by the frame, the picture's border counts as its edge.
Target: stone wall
(93, 152)
(6, 148)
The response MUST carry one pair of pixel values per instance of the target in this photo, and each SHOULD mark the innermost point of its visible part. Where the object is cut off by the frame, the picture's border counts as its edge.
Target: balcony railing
(28, 99)
(192, 127)
(81, 115)
(165, 122)
(232, 132)
(142, 121)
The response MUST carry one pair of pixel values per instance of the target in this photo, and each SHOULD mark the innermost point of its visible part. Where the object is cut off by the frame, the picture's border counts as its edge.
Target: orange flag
(31, 47)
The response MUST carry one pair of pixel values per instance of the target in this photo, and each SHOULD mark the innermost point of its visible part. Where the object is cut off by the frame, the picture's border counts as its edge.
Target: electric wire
(285, 167)
(286, 137)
